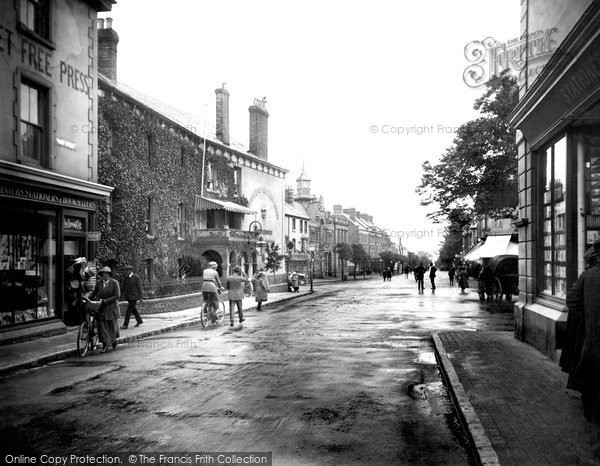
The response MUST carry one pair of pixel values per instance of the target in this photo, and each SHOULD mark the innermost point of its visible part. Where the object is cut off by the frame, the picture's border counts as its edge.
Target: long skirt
(108, 331)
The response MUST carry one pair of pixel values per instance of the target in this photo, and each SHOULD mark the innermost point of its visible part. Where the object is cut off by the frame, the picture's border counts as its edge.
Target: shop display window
(27, 267)
(554, 232)
(592, 188)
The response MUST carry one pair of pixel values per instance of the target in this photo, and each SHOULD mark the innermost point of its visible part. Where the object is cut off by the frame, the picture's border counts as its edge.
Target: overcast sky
(338, 76)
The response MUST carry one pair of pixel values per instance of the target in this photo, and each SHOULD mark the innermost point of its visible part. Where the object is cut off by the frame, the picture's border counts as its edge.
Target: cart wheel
(481, 292)
(204, 315)
(498, 293)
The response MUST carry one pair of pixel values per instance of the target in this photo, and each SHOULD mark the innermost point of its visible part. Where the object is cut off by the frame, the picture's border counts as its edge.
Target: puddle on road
(426, 358)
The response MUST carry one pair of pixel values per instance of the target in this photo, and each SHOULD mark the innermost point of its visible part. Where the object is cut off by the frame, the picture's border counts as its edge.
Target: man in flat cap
(131, 291)
(236, 284)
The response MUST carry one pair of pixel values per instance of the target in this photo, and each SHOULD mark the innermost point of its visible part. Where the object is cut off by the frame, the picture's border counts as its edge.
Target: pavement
(513, 401)
(41, 351)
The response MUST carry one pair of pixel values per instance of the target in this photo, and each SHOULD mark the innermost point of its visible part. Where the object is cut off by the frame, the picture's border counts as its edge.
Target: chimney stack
(259, 128)
(289, 195)
(107, 49)
(350, 212)
(222, 114)
(337, 209)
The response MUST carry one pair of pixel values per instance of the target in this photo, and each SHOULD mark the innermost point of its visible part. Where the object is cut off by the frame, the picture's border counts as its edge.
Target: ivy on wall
(172, 175)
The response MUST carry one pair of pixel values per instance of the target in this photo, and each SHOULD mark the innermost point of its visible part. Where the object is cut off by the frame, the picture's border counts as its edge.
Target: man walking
(432, 272)
(419, 273)
(131, 291)
(236, 284)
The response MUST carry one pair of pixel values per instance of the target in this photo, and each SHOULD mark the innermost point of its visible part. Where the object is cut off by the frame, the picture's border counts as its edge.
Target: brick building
(558, 138)
(185, 191)
(48, 157)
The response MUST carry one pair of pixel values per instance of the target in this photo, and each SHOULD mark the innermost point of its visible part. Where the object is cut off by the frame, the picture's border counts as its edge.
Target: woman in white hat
(261, 289)
(211, 285)
(107, 290)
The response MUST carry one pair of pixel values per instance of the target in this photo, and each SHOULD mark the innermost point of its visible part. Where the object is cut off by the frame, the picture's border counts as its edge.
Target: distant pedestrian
(432, 271)
(295, 278)
(419, 273)
(389, 274)
(236, 284)
(261, 289)
(406, 270)
(451, 274)
(581, 353)
(463, 279)
(107, 291)
(131, 291)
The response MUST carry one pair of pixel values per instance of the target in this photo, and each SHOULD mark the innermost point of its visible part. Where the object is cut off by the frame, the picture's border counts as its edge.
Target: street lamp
(256, 228)
(312, 266)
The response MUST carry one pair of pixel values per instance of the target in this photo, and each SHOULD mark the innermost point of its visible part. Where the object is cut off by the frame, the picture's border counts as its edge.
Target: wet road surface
(346, 376)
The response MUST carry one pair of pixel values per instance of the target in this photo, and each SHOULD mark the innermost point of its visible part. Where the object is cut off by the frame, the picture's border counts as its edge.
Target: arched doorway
(212, 255)
(245, 264)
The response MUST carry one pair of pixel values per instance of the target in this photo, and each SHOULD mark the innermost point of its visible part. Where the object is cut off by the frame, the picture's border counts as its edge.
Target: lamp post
(256, 228)
(312, 266)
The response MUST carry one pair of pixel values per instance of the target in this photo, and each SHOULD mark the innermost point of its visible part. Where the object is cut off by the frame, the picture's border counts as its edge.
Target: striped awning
(204, 203)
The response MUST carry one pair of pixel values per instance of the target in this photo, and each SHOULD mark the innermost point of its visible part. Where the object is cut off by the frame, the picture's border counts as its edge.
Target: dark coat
(432, 271)
(131, 288)
(110, 295)
(419, 272)
(581, 353)
(261, 289)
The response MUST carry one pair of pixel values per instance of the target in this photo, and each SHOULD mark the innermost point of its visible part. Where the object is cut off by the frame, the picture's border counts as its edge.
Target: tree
(359, 257)
(450, 248)
(273, 258)
(344, 252)
(478, 174)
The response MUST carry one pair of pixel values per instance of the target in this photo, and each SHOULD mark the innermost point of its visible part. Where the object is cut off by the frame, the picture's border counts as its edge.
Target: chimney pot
(100, 23)
(107, 50)
(222, 114)
(259, 128)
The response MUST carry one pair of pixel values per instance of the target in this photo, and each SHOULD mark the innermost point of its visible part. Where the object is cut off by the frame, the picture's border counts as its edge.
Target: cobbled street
(345, 376)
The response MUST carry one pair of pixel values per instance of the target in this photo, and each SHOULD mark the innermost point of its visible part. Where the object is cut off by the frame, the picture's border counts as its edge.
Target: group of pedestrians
(238, 284)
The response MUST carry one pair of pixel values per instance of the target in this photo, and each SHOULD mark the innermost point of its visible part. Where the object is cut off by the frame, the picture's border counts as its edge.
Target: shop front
(47, 221)
(558, 122)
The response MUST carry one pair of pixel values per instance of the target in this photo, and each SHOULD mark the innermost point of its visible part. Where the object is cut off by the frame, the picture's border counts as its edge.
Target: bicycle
(208, 315)
(87, 338)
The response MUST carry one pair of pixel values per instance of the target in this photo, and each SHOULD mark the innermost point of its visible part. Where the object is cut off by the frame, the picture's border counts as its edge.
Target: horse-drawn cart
(498, 278)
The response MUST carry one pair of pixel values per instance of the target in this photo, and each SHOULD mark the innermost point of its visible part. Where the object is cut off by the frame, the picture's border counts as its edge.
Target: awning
(204, 203)
(473, 255)
(495, 246)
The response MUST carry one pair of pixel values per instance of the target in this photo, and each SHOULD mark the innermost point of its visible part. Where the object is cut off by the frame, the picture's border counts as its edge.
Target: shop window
(592, 188)
(33, 104)
(35, 16)
(554, 234)
(27, 267)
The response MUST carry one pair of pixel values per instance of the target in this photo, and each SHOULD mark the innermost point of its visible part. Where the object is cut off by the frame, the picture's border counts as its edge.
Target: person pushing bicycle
(211, 285)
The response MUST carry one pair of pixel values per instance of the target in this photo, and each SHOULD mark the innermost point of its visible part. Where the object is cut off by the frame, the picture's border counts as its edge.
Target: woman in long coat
(261, 290)
(107, 291)
(295, 281)
(463, 279)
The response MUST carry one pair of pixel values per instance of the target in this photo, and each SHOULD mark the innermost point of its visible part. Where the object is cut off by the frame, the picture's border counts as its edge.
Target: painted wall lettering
(35, 57)
(74, 78)
(5, 40)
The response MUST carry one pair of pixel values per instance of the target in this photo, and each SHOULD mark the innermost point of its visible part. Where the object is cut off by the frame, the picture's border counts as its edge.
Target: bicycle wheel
(220, 312)
(93, 335)
(82, 338)
(204, 315)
